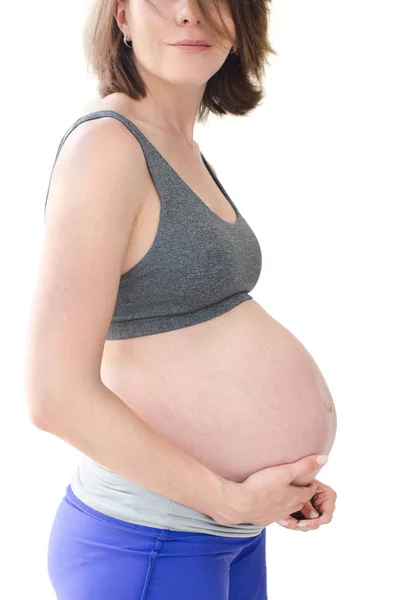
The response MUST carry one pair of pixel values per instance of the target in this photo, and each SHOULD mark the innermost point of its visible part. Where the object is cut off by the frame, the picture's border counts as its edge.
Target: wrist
(229, 499)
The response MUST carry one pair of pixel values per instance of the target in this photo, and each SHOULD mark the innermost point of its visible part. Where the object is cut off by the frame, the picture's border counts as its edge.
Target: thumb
(306, 465)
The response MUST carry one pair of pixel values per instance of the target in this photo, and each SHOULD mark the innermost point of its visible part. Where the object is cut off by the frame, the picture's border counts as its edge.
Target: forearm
(100, 425)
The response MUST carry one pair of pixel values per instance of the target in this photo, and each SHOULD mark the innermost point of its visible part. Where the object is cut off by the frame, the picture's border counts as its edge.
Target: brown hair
(235, 88)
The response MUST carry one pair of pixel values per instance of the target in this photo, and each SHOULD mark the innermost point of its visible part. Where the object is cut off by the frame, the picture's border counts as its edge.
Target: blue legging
(92, 556)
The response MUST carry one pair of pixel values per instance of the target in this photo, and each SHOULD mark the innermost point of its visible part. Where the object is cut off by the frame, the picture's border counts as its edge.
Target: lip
(189, 42)
(191, 48)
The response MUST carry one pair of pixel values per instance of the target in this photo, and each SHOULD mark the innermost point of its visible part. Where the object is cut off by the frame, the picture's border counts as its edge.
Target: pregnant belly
(239, 392)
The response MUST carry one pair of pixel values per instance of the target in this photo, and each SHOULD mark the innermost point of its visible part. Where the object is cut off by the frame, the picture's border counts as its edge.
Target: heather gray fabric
(117, 497)
(199, 265)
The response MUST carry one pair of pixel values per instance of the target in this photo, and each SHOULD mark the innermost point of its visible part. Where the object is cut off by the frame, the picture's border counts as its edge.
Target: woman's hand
(323, 502)
(268, 495)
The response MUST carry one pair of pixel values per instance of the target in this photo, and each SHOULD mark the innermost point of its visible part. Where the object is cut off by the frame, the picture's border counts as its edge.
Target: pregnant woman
(198, 416)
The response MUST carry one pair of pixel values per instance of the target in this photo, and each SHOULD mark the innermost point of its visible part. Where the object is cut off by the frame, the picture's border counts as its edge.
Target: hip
(94, 555)
(123, 500)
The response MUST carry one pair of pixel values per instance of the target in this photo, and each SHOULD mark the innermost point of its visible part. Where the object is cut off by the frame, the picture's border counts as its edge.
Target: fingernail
(284, 523)
(314, 514)
(322, 459)
(302, 524)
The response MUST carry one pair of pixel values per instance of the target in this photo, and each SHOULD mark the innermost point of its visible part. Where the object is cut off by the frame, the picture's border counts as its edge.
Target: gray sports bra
(199, 265)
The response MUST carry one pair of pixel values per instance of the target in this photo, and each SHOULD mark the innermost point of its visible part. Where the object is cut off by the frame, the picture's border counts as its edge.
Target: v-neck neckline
(215, 178)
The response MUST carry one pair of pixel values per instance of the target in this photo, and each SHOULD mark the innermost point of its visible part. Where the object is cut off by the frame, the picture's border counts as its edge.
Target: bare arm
(94, 198)
(98, 423)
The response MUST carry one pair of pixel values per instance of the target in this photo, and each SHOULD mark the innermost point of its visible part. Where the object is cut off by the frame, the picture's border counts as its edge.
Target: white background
(315, 172)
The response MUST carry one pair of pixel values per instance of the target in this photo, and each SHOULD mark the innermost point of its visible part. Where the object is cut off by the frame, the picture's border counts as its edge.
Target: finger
(309, 511)
(292, 523)
(305, 466)
(306, 493)
(288, 522)
(324, 519)
(309, 524)
(327, 514)
(326, 507)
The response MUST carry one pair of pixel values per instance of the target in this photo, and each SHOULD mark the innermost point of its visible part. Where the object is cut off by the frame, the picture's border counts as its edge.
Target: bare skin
(239, 392)
(237, 378)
